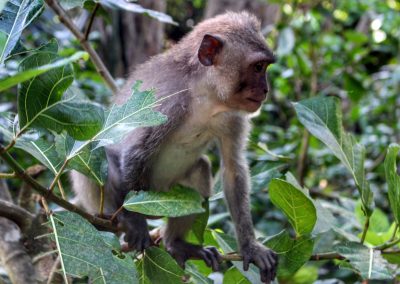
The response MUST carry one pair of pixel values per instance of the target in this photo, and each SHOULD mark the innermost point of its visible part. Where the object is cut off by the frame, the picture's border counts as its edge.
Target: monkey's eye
(259, 67)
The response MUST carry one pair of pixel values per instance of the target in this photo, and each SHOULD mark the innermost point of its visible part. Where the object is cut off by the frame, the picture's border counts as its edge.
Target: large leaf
(122, 119)
(83, 252)
(296, 205)
(366, 261)
(228, 244)
(293, 253)
(136, 8)
(41, 103)
(233, 276)
(31, 73)
(322, 116)
(157, 266)
(179, 201)
(393, 180)
(16, 15)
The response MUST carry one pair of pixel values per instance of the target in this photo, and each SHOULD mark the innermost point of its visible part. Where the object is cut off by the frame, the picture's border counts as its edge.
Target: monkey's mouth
(253, 100)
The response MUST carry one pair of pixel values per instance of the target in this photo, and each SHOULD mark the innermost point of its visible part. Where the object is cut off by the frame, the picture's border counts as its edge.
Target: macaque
(218, 75)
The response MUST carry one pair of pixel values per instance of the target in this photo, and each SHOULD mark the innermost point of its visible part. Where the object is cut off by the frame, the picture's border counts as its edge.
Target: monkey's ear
(209, 49)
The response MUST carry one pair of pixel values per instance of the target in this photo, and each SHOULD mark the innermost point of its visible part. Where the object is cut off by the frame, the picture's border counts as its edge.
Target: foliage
(337, 212)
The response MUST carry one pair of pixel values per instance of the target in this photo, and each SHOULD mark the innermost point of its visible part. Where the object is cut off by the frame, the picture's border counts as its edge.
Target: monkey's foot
(136, 232)
(265, 259)
(182, 251)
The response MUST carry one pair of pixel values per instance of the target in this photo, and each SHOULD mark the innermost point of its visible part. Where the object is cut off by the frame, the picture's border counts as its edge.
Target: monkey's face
(251, 87)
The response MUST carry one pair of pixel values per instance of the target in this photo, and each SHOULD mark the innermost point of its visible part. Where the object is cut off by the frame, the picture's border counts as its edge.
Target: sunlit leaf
(296, 205)
(179, 201)
(83, 252)
(293, 253)
(323, 118)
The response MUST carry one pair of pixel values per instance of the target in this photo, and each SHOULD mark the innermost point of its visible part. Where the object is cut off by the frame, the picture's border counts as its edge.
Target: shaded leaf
(15, 17)
(84, 253)
(200, 223)
(393, 180)
(293, 253)
(160, 267)
(233, 276)
(179, 201)
(41, 103)
(323, 118)
(365, 261)
(195, 275)
(296, 205)
(27, 74)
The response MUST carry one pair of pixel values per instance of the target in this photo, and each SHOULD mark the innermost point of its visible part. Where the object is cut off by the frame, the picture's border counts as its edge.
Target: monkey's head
(235, 57)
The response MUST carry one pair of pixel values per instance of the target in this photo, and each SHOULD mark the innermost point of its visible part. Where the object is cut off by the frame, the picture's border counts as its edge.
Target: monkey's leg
(199, 178)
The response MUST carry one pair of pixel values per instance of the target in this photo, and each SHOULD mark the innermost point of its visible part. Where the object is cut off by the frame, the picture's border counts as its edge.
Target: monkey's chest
(177, 156)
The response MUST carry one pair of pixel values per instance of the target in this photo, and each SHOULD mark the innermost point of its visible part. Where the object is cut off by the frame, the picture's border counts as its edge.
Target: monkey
(218, 75)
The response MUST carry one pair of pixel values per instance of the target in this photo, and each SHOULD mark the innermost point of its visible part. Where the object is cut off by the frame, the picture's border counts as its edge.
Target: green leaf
(40, 102)
(122, 119)
(69, 4)
(23, 76)
(15, 17)
(160, 267)
(179, 201)
(136, 8)
(233, 276)
(293, 253)
(262, 176)
(200, 223)
(195, 275)
(228, 245)
(393, 180)
(90, 161)
(296, 205)
(83, 252)
(365, 261)
(323, 118)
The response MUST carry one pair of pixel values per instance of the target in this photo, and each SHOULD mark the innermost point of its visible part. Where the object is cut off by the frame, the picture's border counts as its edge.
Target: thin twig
(365, 230)
(101, 200)
(90, 22)
(58, 175)
(61, 188)
(98, 63)
(302, 165)
(116, 213)
(388, 245)
(396, 228)
(19, 171)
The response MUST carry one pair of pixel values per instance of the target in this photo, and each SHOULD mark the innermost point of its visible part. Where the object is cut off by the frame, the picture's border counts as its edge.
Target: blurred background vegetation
(349, 49)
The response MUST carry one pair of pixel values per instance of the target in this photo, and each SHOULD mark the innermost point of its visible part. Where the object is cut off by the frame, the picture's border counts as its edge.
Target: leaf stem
(90, 22)
(388, 244)
(116, 213)
(20, 173)
(61, 188)
(101, 200)
(396, 228)
(365, 230)
(98, 63)
(58, 175)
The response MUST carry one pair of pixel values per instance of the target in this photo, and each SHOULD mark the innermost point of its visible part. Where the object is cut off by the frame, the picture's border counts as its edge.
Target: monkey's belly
(175, 160)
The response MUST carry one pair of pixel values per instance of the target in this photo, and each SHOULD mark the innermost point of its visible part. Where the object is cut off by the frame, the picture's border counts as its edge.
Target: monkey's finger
(203, 255)
(216, 253)
(214, 260)
(246, 262)
(272, 258)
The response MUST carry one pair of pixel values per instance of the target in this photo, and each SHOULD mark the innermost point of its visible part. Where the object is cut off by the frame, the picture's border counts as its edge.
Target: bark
(132, 39)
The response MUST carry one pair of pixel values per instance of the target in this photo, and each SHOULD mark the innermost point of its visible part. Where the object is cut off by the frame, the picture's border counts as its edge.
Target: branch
(7, 175)
(90, 22)
(18, 215)
(98, 63)
(365, 230)
(19, 171)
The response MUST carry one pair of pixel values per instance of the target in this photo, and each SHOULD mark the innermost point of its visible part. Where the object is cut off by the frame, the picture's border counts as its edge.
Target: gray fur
(209, 109)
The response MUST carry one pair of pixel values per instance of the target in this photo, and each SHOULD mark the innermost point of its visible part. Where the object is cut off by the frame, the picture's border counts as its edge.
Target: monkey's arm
(236, 183)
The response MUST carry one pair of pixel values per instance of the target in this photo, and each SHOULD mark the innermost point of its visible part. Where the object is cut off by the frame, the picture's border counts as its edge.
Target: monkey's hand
(265, 259)
(182, 251)
(136, 232)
